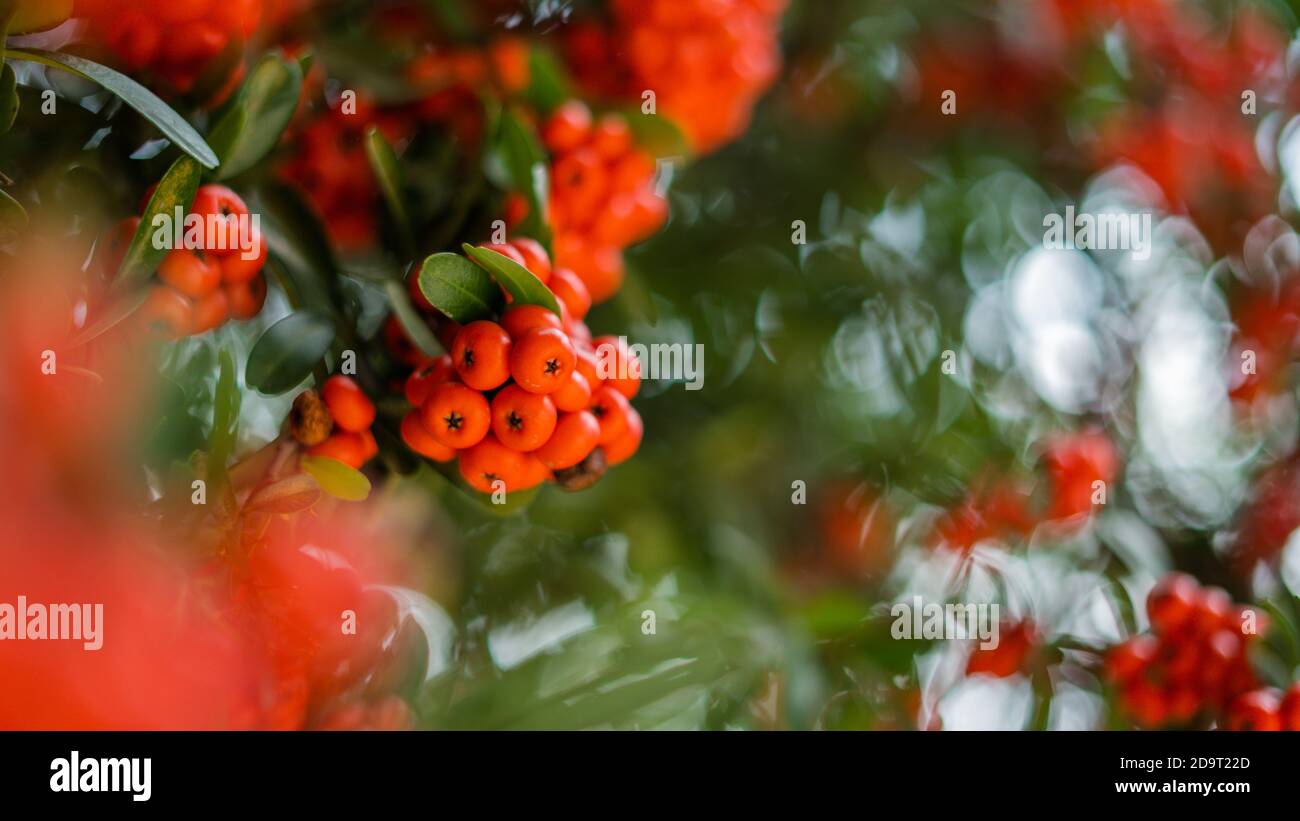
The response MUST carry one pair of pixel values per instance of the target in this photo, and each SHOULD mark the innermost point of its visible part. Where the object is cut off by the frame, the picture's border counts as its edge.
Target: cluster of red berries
(523, 401)
(174, 40)
(1267, 324)
(1016, 642)
(1076, 465)
(1193, 661)
(1264, 709)
(336, 424)
(707, 61)
(1268, 518)
(200, 289)
(602, 198)
(329, 165)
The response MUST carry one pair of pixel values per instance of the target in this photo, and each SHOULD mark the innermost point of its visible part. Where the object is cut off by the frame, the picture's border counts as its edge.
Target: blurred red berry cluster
(1193, 662)
(706, 61)
(190, 45)
(1079, 468)
(603, 196)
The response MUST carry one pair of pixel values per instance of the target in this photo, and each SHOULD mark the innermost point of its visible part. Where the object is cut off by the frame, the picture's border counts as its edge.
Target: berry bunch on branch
(349, 250)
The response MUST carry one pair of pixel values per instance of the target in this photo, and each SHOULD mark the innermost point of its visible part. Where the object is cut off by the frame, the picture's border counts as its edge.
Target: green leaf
(8, 97)
(133, 94)
(522, 285)
(549, 84)
(225, 423)
(176, 189)
(259, 114)
(286, 353)
(384, 163)
(526, 164)
(297, 238)
(410, 319)
(460, 289)
(656, 134)
(336, 478)
(306, 59)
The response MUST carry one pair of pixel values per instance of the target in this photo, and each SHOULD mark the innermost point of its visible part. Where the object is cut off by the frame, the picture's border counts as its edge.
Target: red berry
(428, 376)
(348, 404)
(627, 443)
(1256, 710)
(1213, 610)
(542, 360)
(418, 438)
(522, 420)
(1172, 602)
(1289, 710)
(574, 439)
(456, 415)
(482, 354)
(536, 260)
(524, 318)
(1124, 661)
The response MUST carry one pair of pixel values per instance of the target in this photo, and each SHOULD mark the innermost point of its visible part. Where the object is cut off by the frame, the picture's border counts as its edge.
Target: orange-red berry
(489, 462)
(627, 443)
(456, 415)
(349, 448)
(522, 420)
(574, 395)
(575, 437)
(417, 438)
(348, 404)
(542, 360)
(571, 292)
(536, 260)
(611, 410)
(482, 354)
(521, 319)
(428, 376)
(192, 273)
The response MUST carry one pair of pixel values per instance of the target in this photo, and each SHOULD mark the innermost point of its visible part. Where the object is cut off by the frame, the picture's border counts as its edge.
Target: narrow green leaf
(526, 164)
(133, 94)
(387, 171)
(410, 319)
(306, 59)
(286, 353)
(296, 237)
(336, 478)
(176, 189)
(658, 135)
(8, 97)
(549, 83)
(460, 289)
(254, 121)
(523, 286)
(225, 423)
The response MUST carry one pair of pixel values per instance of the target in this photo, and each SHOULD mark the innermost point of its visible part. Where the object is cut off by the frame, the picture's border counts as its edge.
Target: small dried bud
(584, 474)
(310, 421)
